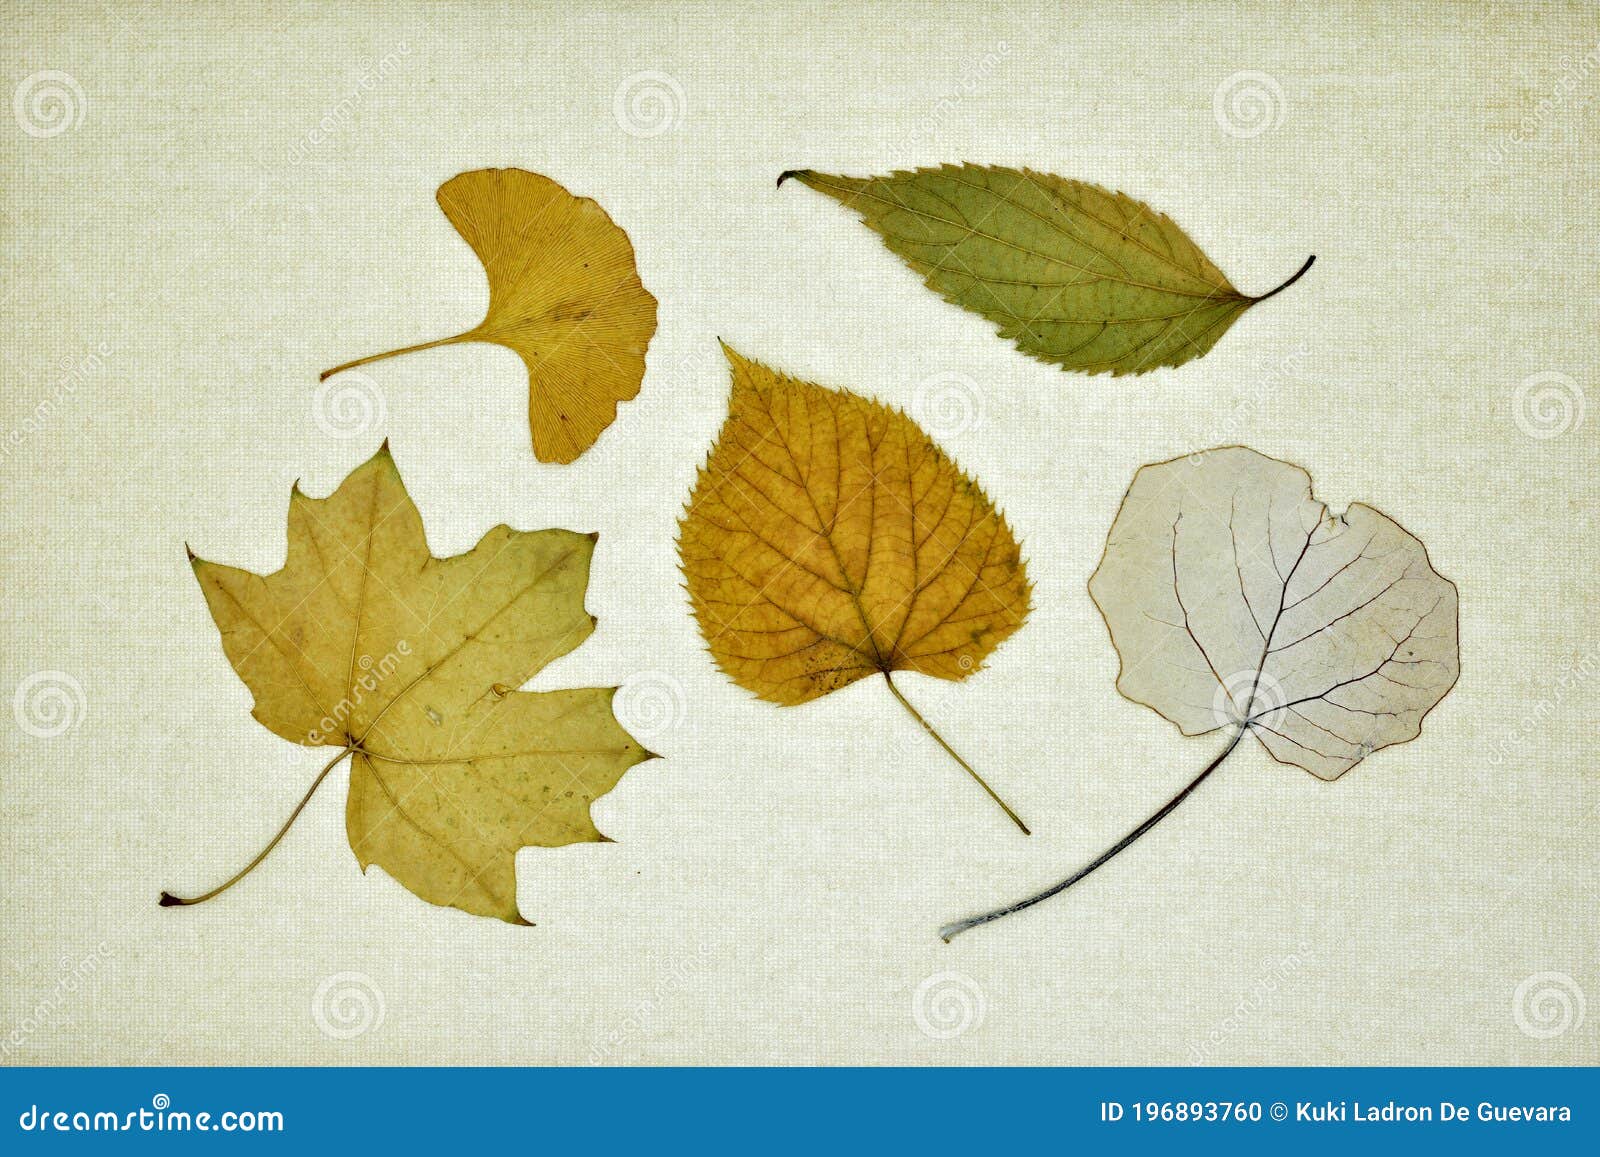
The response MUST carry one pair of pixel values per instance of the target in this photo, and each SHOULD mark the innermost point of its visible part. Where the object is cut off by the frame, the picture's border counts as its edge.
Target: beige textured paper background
(227, 203)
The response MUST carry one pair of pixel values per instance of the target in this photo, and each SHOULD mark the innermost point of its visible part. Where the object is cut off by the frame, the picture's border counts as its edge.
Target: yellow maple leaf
(828, 539)
(564, 293)
(409, 665)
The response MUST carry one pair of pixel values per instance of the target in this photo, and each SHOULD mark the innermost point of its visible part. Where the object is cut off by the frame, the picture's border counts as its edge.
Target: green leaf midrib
(816, 181)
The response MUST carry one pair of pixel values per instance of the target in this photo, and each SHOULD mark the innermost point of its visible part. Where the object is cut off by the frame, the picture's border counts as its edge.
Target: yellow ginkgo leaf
(564, 293)
(828, 539)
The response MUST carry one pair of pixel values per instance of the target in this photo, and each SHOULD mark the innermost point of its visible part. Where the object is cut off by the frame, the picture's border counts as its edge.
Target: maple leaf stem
(950, 931)
(928, 727)
(1299, 273)
(168, 900)
(410, 349)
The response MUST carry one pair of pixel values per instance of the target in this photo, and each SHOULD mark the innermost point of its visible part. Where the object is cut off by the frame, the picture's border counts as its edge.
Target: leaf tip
(787, 173)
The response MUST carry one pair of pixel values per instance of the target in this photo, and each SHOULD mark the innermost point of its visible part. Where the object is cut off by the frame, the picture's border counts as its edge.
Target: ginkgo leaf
(1074, 274)
(409, 665)
(1237, 601)
(828, 539)
(564, 293)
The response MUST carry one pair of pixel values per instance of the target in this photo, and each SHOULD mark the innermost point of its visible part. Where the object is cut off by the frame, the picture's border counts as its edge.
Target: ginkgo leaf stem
(939, 739)
(950, 931)
(168, 900)
(410, 349)
(1299, 273)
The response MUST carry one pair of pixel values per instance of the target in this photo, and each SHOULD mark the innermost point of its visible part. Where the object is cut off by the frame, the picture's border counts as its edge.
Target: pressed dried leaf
(828, 539)
(1237, 600)
(409, 664)
(1234, 597)
(564, 293)
(1074, 274)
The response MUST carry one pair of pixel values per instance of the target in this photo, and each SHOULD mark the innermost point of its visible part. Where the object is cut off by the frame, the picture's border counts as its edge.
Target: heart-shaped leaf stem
(939, 739)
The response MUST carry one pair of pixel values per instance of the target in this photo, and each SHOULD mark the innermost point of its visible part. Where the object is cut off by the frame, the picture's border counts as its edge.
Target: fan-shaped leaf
(563, 293)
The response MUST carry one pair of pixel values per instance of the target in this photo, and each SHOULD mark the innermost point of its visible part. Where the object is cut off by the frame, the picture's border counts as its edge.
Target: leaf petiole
(168, 900)
(928, 727)
(410, 349)
(949, 931)
(1299, 273)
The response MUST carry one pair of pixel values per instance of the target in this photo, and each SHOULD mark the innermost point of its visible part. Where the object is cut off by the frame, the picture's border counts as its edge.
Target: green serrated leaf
(1074, 274)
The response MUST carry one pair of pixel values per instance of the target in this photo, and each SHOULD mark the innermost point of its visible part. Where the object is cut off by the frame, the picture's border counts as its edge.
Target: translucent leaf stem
(168, 900)
(939, 739)
(949, 931)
